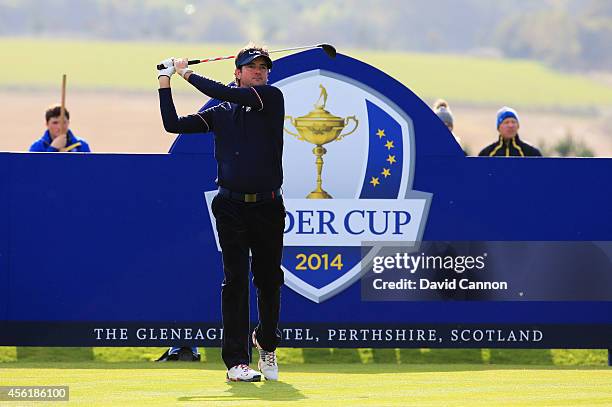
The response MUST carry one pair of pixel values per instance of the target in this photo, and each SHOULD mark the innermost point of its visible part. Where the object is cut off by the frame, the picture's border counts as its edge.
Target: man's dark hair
(55, 111)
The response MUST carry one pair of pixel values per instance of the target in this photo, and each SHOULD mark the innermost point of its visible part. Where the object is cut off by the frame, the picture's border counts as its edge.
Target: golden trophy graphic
(320, 127)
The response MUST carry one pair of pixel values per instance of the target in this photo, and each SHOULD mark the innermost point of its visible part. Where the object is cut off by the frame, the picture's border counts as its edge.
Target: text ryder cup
(349, 222)
(355, 222)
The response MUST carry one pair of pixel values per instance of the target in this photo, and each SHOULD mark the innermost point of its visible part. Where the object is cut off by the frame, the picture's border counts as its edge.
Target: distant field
(129, 66)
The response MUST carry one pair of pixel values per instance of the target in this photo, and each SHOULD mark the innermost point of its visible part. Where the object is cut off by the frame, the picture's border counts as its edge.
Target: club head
(328, 49)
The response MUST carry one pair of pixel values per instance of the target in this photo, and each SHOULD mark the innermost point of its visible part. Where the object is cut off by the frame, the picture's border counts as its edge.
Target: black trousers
(257, 227)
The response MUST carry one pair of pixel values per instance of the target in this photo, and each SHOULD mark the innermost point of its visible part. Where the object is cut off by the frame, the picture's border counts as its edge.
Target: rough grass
(131, 66)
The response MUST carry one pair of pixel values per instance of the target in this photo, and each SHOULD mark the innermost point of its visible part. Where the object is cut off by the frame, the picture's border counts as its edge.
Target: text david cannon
(425, 284)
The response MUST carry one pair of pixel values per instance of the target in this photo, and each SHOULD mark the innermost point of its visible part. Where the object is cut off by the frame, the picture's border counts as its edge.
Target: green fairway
(99, 383)
(539, 357)
(130, 66)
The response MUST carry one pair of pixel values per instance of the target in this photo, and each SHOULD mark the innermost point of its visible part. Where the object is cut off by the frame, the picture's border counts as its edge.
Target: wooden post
(63, 109)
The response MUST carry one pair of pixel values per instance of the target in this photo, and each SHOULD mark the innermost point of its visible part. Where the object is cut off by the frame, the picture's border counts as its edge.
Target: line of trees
(566, 34)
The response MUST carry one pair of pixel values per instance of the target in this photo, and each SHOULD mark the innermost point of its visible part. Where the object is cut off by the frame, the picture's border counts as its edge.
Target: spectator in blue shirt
(58, 136)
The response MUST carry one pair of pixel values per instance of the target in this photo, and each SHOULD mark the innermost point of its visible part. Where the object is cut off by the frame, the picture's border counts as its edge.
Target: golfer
(249, 209)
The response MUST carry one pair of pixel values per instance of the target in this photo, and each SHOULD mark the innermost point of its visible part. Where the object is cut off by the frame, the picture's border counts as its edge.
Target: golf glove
(169, 71)
(181, 67)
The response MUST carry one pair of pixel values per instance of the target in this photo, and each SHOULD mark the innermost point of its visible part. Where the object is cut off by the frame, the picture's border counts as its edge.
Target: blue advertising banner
(122, 250)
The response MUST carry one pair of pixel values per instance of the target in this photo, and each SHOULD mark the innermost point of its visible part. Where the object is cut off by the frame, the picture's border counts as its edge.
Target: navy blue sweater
(248, 129)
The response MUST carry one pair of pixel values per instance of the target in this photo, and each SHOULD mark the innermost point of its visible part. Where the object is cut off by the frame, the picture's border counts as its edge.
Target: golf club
(328, 49)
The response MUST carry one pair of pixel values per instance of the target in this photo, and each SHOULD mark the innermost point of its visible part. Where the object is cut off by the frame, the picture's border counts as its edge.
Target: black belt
(255, 197)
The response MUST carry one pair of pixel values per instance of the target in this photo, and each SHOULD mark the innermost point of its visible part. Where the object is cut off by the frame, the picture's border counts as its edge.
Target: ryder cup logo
(348, 169)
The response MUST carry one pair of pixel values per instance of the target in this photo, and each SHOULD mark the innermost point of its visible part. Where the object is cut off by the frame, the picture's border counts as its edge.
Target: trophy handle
(346, 122)
(290, 132)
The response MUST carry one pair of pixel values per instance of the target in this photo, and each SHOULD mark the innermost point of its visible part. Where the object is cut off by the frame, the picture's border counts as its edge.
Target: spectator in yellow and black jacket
(509, 143)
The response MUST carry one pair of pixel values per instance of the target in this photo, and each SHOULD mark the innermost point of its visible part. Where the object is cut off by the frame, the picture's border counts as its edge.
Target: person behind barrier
(509, 144)
(444, 113)
(58, 136)
(249, 208)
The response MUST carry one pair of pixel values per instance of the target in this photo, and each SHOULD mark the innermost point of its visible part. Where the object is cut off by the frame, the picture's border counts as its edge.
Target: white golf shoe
(267, 362)
(243, 373)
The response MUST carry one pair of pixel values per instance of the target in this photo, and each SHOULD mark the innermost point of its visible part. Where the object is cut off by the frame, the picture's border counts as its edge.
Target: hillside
(130, 66)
